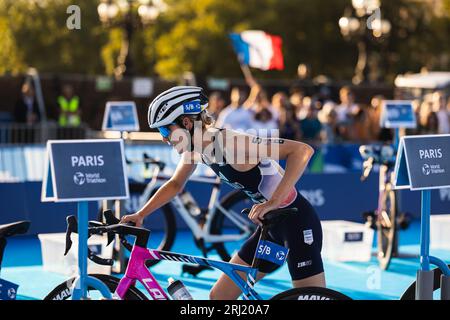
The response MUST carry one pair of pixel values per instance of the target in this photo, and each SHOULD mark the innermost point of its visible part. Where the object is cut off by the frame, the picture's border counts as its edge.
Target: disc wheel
(310, 293)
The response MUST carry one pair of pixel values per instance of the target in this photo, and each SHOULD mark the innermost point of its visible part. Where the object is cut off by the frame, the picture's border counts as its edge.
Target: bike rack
(83, 281)
(425, 277)
(64, 182)
(413, 172)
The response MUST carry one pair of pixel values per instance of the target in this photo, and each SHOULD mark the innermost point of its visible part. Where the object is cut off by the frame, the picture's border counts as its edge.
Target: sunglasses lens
(165, 132)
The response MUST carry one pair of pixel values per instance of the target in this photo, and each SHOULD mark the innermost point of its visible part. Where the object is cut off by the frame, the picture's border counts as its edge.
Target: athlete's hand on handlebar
(136, 218)
(259, 210)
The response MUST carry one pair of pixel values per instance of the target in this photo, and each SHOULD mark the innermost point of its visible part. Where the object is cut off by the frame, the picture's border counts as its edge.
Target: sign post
(82, 171)
(120, 116)
(423, 163)
(397, 114)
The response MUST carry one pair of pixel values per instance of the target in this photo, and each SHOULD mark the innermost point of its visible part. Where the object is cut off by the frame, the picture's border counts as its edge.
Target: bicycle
(386, 219)
(6, 231)
(137, 270)
(206, 224)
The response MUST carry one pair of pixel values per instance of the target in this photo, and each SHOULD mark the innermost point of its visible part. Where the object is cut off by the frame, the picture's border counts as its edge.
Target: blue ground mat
(23, 265)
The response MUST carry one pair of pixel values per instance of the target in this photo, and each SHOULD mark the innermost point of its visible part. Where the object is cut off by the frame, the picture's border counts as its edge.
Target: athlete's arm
(167, 191)
(296, 154)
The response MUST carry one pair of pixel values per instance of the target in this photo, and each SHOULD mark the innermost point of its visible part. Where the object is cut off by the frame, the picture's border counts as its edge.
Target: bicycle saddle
(11, 229)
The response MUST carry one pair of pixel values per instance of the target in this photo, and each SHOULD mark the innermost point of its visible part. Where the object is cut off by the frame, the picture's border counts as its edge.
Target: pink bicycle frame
(137, 270)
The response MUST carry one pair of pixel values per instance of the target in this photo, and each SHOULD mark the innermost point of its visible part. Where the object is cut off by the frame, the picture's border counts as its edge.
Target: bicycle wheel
(63, 292)
(235, 200)
(410, 293)
(386, 227)
(310, 293)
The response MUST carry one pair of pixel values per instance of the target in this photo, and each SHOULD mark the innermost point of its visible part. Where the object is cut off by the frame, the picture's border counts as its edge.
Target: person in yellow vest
(69, 108)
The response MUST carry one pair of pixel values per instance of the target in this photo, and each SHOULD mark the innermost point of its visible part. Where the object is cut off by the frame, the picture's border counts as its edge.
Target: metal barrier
(20, 133)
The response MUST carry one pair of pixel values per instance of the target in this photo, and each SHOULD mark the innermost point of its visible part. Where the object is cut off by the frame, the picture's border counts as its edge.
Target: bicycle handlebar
(274, 216)
(112, 227)
(147, 160)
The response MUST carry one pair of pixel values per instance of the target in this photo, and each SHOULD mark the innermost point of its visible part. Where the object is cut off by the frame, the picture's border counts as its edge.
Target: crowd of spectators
(319, 119)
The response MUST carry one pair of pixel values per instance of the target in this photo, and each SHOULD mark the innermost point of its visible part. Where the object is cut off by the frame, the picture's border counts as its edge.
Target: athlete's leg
(314, 281)
(225, 288)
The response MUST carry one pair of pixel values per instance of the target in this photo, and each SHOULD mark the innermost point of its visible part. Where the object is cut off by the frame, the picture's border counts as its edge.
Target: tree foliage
(193, 36)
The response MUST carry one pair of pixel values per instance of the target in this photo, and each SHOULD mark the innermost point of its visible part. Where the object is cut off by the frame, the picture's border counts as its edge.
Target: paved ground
(23, 265)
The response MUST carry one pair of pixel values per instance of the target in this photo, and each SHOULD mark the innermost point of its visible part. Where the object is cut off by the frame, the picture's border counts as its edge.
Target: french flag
(258, 49)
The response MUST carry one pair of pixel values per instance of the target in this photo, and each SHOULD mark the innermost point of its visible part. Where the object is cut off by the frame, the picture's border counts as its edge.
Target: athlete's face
(178, 137)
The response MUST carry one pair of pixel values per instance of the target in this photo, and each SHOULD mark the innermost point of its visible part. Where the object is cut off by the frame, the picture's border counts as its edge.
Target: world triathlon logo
(79, 178)
(426, 169)
(280, 256)
(12, 293)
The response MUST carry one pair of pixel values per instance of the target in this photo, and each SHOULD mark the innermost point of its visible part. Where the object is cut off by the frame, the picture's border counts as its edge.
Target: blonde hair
(205, 117)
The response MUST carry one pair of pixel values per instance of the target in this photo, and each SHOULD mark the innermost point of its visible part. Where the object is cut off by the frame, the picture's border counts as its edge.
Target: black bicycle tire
(62, 291)
(310, 293)
(385, 254)
(410, 293)
(227, 201)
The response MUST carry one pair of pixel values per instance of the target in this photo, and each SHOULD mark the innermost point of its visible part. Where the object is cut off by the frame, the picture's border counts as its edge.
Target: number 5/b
(264, 250)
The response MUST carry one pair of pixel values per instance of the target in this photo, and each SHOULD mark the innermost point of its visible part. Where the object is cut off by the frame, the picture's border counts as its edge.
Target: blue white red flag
(258, 49)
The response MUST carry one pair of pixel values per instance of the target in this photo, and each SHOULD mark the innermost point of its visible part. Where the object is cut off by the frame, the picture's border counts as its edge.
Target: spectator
(307, 104)
(279, 101)
(216, 104)
(303, 79)
(288, 123)
(347, 106)
(310, 126)
(328, 118)
(235, 116)
(26, 109)
(429, 122)
(263, 119)
(69, 108)
(358, 131)
(296, 99)
(442, 113)
(346, 111)
(374, 115)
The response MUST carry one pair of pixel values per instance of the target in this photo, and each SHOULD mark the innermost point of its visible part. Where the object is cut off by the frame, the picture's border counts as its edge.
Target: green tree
(36, 35)
(193, 36)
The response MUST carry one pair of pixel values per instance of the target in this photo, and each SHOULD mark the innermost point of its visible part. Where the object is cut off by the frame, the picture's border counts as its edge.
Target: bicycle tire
(387, 234)
(217, 224)
(410, 293)
(63, 292)
(310, 293)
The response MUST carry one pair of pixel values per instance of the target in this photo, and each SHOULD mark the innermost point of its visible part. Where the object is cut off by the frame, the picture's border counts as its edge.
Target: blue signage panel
(397, 114)
(423, 162)
(120, 116)
(85, 170)
(271, 252)
(8, 290)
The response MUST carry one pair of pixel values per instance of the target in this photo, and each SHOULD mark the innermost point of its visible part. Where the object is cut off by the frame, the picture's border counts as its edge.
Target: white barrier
(346, 241)
(53, 259)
